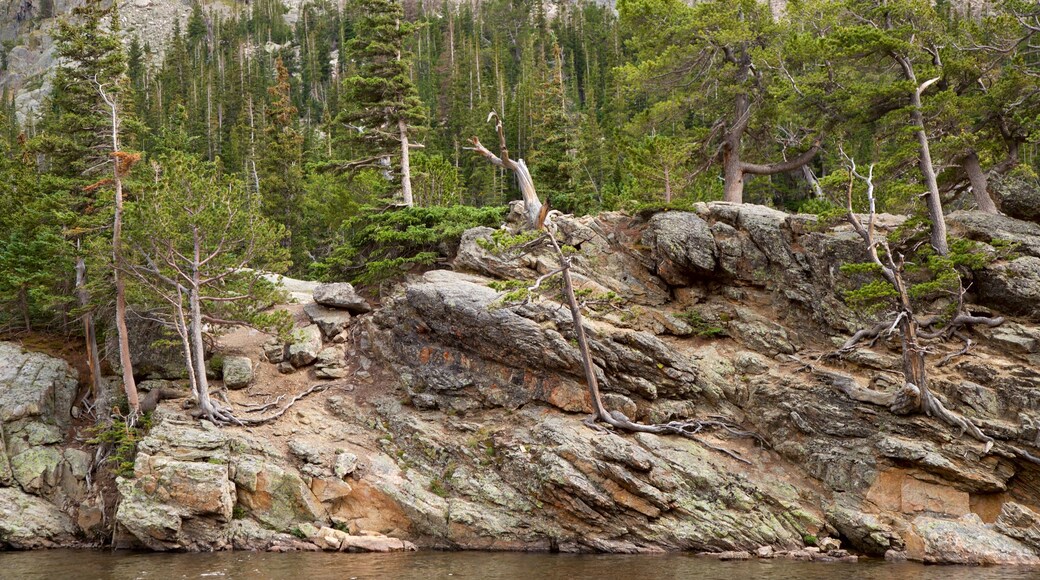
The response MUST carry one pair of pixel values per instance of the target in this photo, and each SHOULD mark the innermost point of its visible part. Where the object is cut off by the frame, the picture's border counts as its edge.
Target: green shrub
(380, 245)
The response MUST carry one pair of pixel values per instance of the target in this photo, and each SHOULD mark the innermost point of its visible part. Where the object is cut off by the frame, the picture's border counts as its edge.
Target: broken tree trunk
(532, 205)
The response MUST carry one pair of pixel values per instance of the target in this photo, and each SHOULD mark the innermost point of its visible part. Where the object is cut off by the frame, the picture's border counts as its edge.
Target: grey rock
(331, 373)
(305, 451)
(341, 295)
(345, 464)
(1019, 196)
(28, 522)
(286, 368)
(985, 227)
(865, 532)
(681, 245)
(332, 356)
(331, 321)
(967, 541)
(275, 352)
(34, 385)
(238, 372)
(1013, 287)
(305, 346)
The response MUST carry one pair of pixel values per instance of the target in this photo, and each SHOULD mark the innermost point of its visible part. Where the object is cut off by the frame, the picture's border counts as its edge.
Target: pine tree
(384, 105)
(280, 166)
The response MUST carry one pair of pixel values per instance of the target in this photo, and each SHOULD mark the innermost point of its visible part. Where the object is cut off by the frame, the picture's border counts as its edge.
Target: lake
(85, 564)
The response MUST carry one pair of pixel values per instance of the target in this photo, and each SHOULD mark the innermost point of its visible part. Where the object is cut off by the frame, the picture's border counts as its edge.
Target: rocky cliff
(448, 418)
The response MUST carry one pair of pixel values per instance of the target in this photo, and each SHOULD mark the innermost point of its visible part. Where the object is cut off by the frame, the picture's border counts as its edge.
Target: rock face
(749, 285)
(36, 473)
(27, 521)
(341, 295)
(467, 429)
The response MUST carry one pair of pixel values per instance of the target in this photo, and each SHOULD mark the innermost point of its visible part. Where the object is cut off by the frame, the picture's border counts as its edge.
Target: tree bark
(935, 210)
(197, 344)
(406, 168)
(83, 297)
(733, 175)
(667, 185)
(979, 183)
(734, 168)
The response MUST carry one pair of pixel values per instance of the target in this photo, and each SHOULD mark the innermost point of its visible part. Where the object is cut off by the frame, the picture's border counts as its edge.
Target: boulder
(1012, 287)
(682, 246)
(986, 227)
(330, 321)
(341, 295)
(965, 541)
(237, 371)
(34, 386)
(28, 522)
(305, 346)
(1019, 196)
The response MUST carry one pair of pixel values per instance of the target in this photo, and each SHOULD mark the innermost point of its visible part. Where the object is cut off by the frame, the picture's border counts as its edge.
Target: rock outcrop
(451, 418)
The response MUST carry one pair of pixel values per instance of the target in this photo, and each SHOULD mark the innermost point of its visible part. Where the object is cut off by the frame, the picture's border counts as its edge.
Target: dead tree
(538, 218)
(915, 397)
(532, 205)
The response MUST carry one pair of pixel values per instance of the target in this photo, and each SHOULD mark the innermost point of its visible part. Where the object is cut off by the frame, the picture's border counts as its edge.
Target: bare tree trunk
(23, 304)
(532, 205)
(406, 167)
(83, 297)
(734, 169)
(979, 183)
(814, 184)
(733, 175)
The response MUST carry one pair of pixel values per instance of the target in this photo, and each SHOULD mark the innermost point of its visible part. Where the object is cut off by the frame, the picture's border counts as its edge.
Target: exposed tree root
(968, 343)
(261, 420)
(871, 334)
(854, 391)
(909, 400)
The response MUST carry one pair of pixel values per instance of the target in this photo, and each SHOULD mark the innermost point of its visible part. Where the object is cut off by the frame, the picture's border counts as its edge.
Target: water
(88, 565)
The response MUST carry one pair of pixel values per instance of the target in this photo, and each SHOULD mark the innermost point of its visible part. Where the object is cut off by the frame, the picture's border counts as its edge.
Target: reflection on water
(70, 564)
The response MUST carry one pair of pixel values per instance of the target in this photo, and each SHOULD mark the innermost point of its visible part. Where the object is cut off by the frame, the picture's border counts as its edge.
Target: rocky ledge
(455, 420)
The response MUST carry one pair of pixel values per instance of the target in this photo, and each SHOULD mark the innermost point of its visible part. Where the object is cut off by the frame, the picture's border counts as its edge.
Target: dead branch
(968, 343)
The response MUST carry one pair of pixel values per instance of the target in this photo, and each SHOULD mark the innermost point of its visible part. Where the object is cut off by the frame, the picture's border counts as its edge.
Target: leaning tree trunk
(935, 210)
(979, 183)
(406, 168)
(734, 168)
